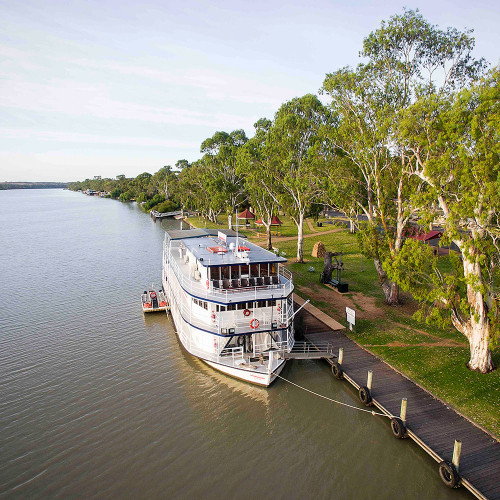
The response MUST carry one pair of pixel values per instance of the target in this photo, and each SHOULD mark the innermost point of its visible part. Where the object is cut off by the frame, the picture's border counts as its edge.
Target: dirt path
(311, 227)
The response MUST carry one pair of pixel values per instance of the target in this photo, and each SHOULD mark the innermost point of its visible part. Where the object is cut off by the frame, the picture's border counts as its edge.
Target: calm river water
(98, 401)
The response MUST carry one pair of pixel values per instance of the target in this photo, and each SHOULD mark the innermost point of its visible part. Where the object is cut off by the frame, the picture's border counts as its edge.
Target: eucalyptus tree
(255, 167)
(193, 192)
(453, 145)
(406, 57)
(225, 185)
(295, 148)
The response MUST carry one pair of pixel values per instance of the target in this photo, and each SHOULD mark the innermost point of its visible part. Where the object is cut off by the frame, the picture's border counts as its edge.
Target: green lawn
(433, 357)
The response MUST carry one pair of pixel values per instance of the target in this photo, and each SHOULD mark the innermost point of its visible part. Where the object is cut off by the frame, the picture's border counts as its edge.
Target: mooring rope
(333, 400)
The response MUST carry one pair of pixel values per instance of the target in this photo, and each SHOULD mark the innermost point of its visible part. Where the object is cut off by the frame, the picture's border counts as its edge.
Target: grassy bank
(434, 358)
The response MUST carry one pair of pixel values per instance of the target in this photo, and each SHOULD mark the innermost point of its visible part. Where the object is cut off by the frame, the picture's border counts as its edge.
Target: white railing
(274, 346)
(235, 354)
(214, 322)
(285, 287)
(230, 356)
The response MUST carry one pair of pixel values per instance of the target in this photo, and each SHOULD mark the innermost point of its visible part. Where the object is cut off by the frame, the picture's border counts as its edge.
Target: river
(100, 401)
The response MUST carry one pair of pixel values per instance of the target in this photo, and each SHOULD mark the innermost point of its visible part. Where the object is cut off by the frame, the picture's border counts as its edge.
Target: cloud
(80, 99)
(69, 137)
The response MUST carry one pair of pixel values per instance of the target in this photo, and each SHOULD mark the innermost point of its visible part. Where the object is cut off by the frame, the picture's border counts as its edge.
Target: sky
(123, 87)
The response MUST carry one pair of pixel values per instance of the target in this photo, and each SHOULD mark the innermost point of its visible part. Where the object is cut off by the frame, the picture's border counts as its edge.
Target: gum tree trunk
(230, 221)
(300, 238)
(269, 244)
(390, 288)
(477, 327)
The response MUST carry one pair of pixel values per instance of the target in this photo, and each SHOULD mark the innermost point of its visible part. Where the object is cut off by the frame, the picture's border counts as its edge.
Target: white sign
(351, 315)
(222, 236)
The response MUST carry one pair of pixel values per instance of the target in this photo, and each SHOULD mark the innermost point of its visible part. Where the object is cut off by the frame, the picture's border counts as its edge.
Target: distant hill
(32, 185)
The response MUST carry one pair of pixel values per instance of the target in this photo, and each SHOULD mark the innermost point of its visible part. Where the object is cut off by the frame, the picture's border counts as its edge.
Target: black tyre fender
(337, 370)
(364, 396)
(398, 428)
(449, 474)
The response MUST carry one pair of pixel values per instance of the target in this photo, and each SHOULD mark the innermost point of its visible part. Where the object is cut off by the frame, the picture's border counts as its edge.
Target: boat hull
(262, 379)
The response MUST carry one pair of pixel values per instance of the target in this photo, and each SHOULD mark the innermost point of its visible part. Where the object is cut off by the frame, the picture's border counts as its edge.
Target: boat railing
(194, 287)
(263, 320)
(233, 353)
(275, 346)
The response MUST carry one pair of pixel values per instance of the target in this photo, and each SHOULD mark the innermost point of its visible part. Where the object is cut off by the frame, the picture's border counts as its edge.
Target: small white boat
(153, 301)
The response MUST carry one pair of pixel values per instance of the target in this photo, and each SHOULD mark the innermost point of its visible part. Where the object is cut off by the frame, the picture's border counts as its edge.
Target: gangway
(307, 350)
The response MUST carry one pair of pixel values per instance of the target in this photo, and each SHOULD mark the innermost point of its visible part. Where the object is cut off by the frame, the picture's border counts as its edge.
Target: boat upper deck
(211, 251)
(233, 270)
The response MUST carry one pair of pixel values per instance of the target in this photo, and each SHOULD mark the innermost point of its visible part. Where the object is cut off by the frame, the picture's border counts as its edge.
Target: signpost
(351, 317)
(222, 236)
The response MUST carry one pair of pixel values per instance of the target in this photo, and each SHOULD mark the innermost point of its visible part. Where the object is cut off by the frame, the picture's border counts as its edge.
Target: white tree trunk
(300, 238)
(477, 327)
(230, 221)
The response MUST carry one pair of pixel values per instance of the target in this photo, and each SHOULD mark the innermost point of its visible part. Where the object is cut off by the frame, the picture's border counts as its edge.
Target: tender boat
(153, 301)
(231, 302)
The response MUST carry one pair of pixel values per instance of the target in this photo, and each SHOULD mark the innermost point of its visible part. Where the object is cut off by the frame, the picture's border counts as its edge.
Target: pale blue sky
(119, 87)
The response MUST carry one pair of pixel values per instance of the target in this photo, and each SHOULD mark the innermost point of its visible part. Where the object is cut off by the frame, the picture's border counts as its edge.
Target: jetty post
(402, 413)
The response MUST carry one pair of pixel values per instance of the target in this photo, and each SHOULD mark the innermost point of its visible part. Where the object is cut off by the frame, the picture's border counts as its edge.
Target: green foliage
(115, 193)
(126, 196)
(150, 204)
(142, 197)
(167, 206)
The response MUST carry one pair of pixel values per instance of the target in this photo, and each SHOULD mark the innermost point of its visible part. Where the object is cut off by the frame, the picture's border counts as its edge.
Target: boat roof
(182, 234)
(205, 245)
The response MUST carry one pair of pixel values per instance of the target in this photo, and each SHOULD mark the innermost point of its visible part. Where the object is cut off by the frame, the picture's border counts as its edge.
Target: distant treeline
(32, 185)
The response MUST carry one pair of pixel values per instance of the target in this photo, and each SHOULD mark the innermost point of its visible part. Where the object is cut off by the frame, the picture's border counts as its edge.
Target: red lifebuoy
(153, 295)
(246, 312)
(254, 323)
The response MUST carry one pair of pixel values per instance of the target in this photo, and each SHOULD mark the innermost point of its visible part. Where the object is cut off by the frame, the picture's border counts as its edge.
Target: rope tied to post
(333, 400)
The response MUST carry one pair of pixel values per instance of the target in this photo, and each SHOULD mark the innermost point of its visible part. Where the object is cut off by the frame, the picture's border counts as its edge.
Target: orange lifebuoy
(254, 323)
(246, 312)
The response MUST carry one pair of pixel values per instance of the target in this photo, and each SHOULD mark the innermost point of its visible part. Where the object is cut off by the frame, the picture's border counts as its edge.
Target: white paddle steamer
(231, 302)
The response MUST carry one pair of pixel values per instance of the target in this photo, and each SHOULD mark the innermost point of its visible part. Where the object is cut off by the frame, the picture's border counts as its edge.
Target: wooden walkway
(429, 422)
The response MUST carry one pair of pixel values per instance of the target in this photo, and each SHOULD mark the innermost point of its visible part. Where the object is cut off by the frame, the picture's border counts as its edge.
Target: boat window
(261, 303)
(214, 273)
(242, 305)
(235, 272)
(219, 308)
(254, 270)
(274, 270)
(224, 272)
(201, 303)
(271, 303)
(264, 269)
(244, 271)
(231, 307)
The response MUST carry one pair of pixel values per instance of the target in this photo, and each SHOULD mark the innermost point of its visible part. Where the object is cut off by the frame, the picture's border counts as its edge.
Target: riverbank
(434, 358)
